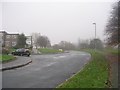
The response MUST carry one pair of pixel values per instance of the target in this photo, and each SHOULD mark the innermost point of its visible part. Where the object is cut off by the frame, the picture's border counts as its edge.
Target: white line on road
(50, 64)
(59, 57)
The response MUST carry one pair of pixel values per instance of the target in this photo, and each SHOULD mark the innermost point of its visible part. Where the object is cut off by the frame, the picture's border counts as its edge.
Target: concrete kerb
(16, 66)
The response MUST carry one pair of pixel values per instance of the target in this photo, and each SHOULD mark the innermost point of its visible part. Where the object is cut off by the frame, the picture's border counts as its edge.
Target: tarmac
(19, 62)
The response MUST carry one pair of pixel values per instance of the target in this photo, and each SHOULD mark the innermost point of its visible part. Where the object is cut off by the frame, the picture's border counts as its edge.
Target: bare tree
(43, 41)
(113, 25)
(56, 46)
(66, 45)
(34, 38)
(82, 44)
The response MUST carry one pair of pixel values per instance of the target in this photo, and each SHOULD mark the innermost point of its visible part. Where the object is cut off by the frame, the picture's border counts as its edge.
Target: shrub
(5, 51)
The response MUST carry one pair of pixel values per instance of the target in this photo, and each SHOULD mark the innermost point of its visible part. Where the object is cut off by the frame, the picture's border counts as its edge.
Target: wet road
(46, 71)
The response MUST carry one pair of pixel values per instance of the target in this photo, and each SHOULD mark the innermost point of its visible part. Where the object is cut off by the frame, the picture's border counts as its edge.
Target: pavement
(19, 62)
(45, 71)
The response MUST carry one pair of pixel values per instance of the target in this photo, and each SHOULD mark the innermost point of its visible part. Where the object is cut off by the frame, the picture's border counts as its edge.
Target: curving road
(46, 71)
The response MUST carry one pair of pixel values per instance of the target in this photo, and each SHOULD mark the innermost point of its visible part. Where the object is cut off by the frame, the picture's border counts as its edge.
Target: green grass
(49, 51)
(112, 51)
(93, 75)
(6, 58)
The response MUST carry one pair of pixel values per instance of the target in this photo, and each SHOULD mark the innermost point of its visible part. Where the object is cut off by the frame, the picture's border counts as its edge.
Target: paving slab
(19, 62)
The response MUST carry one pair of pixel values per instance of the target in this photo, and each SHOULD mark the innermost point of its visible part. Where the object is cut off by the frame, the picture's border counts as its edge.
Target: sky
(66, 20)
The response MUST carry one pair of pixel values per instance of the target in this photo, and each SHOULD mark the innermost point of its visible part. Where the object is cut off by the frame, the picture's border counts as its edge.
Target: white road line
(59, 57)
(50, 64)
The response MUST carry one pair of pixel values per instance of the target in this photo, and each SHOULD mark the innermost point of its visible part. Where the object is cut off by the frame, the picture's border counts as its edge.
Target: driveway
(46, 71)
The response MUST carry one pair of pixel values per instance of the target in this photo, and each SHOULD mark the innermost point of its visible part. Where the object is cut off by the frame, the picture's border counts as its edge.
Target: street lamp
(95, 34)
(95, 29)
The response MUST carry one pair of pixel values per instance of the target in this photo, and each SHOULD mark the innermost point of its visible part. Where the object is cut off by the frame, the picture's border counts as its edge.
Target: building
(29, 41)
(11, 40)
(2, 37)
(8, 40)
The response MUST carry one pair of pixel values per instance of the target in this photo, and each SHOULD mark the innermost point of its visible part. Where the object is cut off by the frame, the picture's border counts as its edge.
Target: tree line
(42, 41)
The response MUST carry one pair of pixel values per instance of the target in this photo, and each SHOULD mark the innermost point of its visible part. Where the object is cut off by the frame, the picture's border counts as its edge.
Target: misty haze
(59, 44)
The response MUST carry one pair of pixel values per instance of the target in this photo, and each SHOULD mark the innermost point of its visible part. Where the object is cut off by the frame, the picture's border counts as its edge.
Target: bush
(5, 51)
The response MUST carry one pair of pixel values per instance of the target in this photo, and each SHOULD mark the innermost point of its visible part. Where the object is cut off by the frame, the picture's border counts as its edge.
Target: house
(2, 37)
(8, 40)
(11, 40)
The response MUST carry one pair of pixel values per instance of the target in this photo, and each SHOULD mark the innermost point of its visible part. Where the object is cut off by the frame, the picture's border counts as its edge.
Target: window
(14, 43)
(8, 36)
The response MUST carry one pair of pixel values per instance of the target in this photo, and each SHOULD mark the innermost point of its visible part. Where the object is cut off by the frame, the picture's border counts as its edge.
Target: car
(21, 52)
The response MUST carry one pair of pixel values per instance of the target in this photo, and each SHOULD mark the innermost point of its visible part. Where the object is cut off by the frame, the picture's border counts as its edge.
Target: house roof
(12, 34)
(3, 32)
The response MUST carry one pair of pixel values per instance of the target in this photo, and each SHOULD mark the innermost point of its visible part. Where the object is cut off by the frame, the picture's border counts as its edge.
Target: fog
(58, 20)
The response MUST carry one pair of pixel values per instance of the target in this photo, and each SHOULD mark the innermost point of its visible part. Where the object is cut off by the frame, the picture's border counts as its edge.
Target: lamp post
(95, 34)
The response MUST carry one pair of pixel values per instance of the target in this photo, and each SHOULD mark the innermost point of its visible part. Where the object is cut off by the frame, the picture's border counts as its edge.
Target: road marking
(50, 64)
(59, 57)
(83, 54)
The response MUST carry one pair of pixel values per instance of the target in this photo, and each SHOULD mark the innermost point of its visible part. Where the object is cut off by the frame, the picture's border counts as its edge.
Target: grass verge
(93, 75)
(113, 51)
(6, 58)
(49, 51)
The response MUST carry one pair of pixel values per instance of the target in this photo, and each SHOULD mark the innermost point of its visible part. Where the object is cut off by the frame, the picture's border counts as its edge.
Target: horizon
(59, 21)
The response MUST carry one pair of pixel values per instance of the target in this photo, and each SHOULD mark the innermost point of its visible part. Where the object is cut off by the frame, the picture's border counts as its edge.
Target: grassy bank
(6, 58)
(49, 51)
(94, 74)
(113, 51)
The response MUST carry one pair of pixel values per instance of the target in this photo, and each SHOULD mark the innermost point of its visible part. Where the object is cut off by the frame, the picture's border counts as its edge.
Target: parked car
(21, 52)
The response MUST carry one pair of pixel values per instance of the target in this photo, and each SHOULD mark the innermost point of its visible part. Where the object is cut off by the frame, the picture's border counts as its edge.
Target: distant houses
(10, 40)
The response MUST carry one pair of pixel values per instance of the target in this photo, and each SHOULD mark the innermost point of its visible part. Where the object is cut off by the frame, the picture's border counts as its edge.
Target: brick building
(2, 36)
(8, 40)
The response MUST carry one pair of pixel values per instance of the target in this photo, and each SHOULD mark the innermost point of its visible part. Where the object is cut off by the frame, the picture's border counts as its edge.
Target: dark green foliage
(21, 42)
(96, 44)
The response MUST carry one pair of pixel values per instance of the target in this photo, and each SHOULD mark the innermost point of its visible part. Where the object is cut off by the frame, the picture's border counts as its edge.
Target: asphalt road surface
(46, 71)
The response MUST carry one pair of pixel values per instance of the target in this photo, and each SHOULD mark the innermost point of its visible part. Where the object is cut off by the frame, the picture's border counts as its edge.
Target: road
(46, 71)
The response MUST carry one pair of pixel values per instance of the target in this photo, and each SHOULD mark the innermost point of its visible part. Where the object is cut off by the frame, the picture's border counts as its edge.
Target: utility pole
(95, 35)
(31, 42)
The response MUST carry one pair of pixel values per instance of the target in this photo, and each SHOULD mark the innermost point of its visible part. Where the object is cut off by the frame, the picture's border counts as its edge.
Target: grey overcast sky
(58, 20)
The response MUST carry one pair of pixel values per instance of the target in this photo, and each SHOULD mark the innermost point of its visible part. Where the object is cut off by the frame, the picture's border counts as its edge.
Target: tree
(21, 42)
(113, 25)
(34, 38)
(56, 46)
(96, 43)
(43, 41)
(66, 45)
(82, 44)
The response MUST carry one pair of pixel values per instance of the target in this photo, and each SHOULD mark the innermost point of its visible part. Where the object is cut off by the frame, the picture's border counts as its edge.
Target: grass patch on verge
(113, 51)
(49, 51)
(93, 75)
(6, 58)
